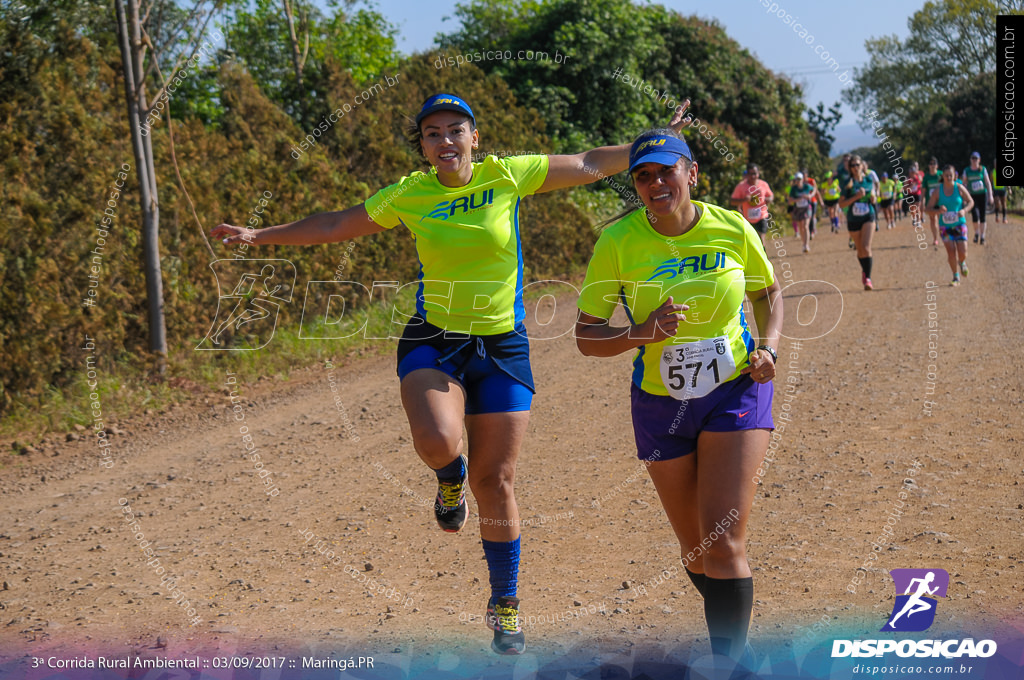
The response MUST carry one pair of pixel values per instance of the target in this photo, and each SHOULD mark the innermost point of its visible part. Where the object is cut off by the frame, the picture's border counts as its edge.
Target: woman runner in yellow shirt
(463, 358)
(701, 385)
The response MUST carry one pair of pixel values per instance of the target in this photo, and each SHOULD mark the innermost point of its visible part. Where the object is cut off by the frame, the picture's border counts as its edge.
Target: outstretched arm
(590, 166)
(328, 227)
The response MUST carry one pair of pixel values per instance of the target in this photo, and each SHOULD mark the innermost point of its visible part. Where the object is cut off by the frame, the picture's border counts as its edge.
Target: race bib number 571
(692, 370)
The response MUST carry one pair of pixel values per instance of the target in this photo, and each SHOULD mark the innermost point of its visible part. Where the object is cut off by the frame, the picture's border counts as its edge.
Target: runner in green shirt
(929, 183)
(978, 185)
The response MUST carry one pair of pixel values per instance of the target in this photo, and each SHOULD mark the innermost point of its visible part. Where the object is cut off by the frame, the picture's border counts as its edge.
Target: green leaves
(622, 64)
(951, 47)
(822, 124)
(361, 42)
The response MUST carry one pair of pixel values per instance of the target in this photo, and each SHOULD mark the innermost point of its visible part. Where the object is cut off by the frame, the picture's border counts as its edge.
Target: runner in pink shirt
(751, 198)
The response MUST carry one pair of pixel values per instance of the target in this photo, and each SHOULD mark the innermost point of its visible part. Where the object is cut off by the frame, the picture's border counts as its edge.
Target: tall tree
(907, 82)
(601, 71)
(291, 48)
(137, 26)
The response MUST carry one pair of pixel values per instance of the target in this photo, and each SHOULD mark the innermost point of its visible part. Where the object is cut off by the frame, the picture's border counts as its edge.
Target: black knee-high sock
(727, 606)
(699, 581)
(865, 265)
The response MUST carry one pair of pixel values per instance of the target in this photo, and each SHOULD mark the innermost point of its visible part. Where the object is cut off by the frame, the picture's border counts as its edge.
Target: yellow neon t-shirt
(467, 241)
(710, 268)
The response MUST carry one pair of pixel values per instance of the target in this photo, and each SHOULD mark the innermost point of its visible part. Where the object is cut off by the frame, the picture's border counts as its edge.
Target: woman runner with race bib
(978, 184)
(462, 362)
(701, 387)
(949, 204)
(831, 191)
(751, 197)
(858, 200)
(800, 195)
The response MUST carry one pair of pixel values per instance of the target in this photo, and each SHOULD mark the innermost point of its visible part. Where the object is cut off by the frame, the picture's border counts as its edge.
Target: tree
(907, 83)
(291, 48)
(822, 125)
(603, 70)
(966, 123)
(135, 26)
(152, 35)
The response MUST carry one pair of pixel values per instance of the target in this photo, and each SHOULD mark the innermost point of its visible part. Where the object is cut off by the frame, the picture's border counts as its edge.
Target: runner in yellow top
(463, 358)
(701, 393)
(900, 207)
(831, 192)
(998, 194)
(467, 241)
(886, 199)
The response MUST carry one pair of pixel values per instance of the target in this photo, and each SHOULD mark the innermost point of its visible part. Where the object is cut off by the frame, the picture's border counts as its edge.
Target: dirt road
(868, 403)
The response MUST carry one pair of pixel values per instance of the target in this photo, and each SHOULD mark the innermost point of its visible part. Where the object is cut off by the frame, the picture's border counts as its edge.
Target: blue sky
(840, 28)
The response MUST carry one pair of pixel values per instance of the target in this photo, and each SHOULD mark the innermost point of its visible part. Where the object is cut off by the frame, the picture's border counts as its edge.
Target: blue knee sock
(452, 472)
(503, 563)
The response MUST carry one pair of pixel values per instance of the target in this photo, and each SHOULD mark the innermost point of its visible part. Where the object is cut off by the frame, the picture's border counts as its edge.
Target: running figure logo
(250, 310)
(914, 610)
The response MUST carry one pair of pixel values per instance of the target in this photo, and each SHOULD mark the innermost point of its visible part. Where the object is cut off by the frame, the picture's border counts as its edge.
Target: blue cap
(658, 149)
(444, 102)
(975, 155)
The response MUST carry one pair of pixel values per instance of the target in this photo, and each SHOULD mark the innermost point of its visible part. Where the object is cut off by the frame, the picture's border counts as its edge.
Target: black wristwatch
(766, 348)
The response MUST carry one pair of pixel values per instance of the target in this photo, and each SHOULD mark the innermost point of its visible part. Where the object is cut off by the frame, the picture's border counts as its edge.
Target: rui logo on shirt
(446, 209)
(694, 264)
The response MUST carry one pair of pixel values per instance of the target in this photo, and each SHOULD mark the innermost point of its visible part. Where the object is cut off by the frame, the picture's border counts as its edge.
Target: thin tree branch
(181, 182)
(195, 47)
(297, 62)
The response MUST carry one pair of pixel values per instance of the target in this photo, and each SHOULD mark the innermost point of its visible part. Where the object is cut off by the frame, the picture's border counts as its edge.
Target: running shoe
(503, 618)
(975, 238)
(866, 281)
(956, 280)
(807, 249)
(852, 245)
(963, 268)
(450, 505)
(982, 240)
